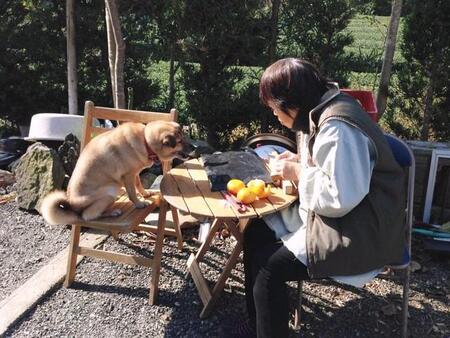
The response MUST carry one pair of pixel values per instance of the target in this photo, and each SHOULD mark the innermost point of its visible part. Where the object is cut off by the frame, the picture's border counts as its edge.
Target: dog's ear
(170, 141)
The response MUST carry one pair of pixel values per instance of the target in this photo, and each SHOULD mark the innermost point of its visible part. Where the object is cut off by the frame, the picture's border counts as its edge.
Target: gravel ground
(26, 244)
(110, 300)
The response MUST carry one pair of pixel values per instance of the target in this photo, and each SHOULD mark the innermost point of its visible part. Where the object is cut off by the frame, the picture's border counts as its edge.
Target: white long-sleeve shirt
(338, 180)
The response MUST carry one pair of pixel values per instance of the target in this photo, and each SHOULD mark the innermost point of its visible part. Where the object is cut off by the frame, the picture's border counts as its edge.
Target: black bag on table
(243, 165)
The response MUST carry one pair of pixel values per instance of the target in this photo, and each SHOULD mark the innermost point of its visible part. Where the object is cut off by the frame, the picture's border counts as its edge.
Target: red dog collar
(150, 153)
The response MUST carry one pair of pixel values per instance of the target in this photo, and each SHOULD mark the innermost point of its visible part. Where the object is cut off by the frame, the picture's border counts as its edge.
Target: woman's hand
(288, 170)
(288, 156)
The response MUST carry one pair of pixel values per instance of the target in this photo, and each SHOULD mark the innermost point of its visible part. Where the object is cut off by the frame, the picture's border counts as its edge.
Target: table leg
(217, 290)
(206, 244)
(209, 298)
(243, 224)
(177, 227)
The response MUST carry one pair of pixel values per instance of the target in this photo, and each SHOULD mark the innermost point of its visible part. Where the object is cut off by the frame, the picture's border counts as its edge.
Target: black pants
(268, 264)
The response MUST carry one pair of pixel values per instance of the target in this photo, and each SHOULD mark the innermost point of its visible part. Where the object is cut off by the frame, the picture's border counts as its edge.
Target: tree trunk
(271, 53)
(171, 99)
(111, 54)
(391, 38)
(116, 51)
(273, 31)
(425, 132)
(72, 79)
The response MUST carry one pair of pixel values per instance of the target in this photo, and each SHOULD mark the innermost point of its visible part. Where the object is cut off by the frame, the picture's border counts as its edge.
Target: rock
(446, 227)
(415, 266)
(156, 182)
(147, 179)
(69, 152)
(225, 233)
(15, 145)
(6, 178)
(389, 309)
(201, 147)
(38, 172)
(155, 169)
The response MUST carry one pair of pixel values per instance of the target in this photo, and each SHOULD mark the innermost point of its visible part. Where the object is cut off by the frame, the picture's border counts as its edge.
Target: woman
(347, 223)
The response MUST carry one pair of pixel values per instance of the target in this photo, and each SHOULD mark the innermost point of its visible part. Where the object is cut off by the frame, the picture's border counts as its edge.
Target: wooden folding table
(187, 188)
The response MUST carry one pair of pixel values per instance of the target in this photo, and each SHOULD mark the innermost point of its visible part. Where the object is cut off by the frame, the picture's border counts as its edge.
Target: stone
(6, 178)
(147, 178)
(156, 182)
(186, 221)
(155, 169)
(37, 172)
(69, 152)
(200, 148)
(15, 144)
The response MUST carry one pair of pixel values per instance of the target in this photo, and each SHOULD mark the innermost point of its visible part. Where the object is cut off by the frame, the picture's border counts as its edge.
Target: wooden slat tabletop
(187, 188)
(214, 199)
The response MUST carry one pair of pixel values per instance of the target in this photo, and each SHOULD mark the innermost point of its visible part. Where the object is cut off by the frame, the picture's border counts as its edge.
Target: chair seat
(130, 217)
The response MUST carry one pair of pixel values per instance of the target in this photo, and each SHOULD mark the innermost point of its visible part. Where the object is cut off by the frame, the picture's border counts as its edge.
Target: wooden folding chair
(131, 218)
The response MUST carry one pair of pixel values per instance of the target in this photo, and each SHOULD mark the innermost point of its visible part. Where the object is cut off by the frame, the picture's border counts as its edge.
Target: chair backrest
(405, 158)
(366, 99)
(91, 127)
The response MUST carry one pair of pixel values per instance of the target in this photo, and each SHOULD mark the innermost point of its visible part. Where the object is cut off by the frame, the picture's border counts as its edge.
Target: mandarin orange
(234, 185)
(246, 196)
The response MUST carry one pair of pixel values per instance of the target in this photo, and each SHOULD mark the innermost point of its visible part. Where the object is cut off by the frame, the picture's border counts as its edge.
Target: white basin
(54, 127)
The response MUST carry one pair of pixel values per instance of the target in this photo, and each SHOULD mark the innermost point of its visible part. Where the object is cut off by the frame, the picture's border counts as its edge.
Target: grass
(366, 81)
(369, 35)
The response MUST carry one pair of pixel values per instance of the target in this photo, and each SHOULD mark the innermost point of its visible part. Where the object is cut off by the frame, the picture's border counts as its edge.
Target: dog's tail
(56, 209)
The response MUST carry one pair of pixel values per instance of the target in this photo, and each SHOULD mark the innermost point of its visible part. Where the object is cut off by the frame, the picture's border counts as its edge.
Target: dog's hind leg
(96, 209)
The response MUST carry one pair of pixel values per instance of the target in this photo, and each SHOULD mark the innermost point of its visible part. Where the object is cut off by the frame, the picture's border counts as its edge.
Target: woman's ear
(293, 112)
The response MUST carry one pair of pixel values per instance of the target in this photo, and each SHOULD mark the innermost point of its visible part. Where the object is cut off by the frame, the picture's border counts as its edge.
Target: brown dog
(108, 162)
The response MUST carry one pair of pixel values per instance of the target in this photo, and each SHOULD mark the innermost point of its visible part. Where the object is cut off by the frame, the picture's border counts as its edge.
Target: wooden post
(72, 78)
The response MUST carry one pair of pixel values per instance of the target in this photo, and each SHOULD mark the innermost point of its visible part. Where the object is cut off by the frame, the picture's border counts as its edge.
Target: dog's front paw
(140, 204)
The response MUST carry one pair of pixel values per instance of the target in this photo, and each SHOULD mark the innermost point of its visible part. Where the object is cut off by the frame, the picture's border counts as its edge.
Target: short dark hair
(292, 84)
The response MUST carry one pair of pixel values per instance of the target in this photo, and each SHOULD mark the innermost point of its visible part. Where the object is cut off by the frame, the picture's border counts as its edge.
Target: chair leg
(405, 303)
(158, 253)
(72, 255)
(298, 310)
(177, 227)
